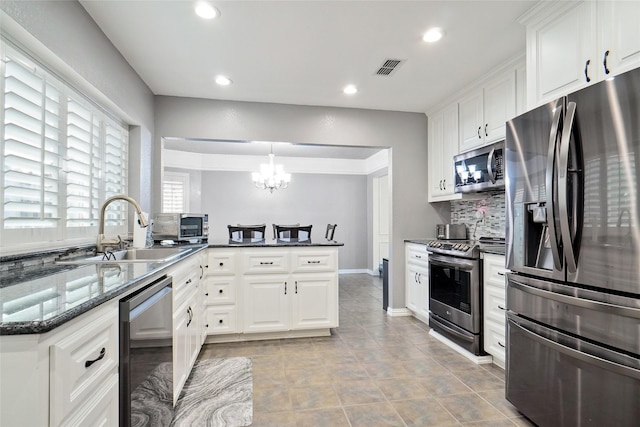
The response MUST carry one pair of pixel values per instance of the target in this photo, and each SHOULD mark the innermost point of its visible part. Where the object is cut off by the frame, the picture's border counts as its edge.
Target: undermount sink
(129, 256)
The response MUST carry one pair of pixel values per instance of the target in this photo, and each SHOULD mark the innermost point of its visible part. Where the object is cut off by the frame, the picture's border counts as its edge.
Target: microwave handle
(492, 175)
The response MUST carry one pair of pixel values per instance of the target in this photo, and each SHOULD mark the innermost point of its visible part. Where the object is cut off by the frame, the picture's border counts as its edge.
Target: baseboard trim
(478, 360)
(355, 271)
(398, 312)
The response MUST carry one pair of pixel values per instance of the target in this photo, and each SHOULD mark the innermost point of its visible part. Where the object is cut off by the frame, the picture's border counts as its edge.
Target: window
(62, 156)
(175, 194)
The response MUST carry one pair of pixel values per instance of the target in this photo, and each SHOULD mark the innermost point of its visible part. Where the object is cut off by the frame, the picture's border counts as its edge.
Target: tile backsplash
(471, 212)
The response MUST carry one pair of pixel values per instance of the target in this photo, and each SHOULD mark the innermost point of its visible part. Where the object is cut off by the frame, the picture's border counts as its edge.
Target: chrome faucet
(103, 243)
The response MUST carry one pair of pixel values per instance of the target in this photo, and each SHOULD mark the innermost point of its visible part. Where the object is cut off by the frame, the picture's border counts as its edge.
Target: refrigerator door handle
(563, 182)
(492, 175)
(549, 181)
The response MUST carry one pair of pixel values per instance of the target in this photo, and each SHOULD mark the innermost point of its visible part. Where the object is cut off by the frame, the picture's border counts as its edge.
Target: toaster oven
(180, 226)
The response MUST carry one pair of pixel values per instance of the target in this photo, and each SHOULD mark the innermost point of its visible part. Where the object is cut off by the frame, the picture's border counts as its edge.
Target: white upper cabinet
(571, 45)
(443, 145)
(483, 112)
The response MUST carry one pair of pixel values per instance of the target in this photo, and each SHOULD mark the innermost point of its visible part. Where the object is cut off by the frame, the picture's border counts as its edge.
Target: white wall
(404, 133)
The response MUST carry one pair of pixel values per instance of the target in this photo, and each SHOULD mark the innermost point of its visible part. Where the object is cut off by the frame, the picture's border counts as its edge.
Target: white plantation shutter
(31, 146)
(62, 157)
(175, 192)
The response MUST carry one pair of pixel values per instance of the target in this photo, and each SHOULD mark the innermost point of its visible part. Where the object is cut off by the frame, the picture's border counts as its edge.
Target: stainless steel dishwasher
(146, 356)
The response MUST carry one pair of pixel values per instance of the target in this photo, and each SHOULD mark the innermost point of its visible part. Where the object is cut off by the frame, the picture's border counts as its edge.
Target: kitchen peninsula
(60, 327)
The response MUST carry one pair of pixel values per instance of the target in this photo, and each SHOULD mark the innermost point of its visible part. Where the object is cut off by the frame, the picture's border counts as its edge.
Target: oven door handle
(608, 365)
(451, 330)
(451, 262)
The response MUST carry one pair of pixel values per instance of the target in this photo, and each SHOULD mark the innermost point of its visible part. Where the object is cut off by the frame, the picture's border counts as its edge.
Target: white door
(620, 36)
(381, 219)
(499, 106)
(471, 121)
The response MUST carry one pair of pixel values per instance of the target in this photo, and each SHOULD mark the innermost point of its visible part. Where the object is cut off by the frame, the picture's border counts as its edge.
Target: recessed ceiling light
(223, 81)
(350, 89)
(206, 11)
(433, 35)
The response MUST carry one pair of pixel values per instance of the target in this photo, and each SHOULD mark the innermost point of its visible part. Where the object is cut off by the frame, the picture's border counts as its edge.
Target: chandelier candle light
(271, 177)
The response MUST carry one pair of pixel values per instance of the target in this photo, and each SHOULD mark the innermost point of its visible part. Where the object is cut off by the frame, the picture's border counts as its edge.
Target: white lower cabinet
(314, 301)
(417, 280)
(187, 311)
(266, 303)
(65, 377)
(494, 320)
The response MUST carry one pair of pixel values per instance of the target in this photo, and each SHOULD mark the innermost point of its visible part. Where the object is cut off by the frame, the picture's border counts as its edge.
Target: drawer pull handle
(419, 256)
(285, 288)
(221, 291)
(88, 363)
(500, 273)
(313, 262)
(206, 266)
(500, 344)
(501, 307)
(187, 282)
(220, 321)
(296, 286)
(207, 294)
(221, 264)
(266, 262)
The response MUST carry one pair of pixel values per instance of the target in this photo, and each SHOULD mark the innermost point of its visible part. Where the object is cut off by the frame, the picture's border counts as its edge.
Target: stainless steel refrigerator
(573, 249)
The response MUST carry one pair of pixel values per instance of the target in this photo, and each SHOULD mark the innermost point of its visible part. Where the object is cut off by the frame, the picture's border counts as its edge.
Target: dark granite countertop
(420, 241)
(262, 243)
(36, 299)
(39, 297)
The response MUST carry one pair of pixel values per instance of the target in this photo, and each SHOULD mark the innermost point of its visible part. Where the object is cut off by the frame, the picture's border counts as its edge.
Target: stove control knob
(466, 247)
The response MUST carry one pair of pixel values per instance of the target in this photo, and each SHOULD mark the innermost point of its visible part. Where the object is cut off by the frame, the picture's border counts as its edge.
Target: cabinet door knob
(103, 353)
(604, 62)
(206, 294)
(220, 321)
(500, 344)
(501, 307)
(586, 71)
(221, 264)
(221, 291)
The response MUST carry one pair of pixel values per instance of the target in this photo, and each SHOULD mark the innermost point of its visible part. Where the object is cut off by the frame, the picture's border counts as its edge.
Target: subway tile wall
(470, 213)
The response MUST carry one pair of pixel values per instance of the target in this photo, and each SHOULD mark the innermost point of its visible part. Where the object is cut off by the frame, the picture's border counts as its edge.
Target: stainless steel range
(455, 286)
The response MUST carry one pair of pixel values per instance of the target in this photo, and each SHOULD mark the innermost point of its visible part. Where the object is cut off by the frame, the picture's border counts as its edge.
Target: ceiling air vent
(389, 67)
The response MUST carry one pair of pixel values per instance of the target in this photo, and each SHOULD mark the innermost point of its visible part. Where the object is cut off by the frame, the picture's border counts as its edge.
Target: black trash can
(385, 284)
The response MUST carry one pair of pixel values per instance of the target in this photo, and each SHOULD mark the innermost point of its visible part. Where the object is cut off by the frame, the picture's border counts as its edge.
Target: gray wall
(404, 133)
(67, 31)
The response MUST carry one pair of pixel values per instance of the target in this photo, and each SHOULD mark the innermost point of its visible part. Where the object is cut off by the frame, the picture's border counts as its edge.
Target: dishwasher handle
(141, 300)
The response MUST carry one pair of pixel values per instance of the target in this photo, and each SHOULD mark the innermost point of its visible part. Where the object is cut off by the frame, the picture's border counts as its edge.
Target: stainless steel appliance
(180, 226)
(455, 286)
(451, 231)
(480, 170)
(573, 248)
(146, 356)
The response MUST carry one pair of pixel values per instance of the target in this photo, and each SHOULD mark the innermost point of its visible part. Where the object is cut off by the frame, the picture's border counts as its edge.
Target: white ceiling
(305, 52)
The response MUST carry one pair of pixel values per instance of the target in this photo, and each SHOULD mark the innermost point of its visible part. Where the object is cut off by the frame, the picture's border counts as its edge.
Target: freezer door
(606, 129)
(557, 380)
(532, 147)
(609, 319)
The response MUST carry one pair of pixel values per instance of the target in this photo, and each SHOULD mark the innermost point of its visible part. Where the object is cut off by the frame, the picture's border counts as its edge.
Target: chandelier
(271, 176)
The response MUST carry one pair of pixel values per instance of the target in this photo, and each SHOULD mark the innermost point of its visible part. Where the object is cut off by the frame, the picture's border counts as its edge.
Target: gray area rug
(218, 393)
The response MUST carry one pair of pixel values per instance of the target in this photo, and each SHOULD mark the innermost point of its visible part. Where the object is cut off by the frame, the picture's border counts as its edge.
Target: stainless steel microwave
(480, 170)
(180, 226)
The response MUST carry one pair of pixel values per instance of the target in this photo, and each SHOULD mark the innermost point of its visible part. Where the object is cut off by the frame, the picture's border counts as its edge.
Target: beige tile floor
(374, 370)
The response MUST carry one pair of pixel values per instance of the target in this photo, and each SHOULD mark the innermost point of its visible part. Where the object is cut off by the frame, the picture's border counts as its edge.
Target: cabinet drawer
(266, 261)
(183, 287)
(417, 254)
(494, 303)
(220, 320)
(184, 275)
(494, 269)
(494, 341)
(314, 260)
(221, 263)
(81, 362)
(220, 290)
